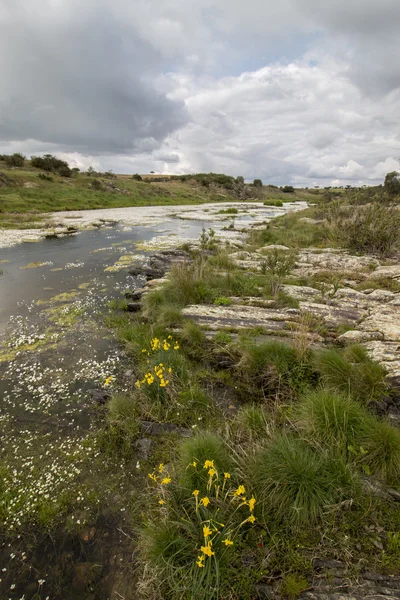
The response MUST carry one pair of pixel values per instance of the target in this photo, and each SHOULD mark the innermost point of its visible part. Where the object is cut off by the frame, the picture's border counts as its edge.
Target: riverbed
(55, 347)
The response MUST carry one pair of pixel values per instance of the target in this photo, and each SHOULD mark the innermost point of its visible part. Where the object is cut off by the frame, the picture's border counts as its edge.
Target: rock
(381, 295)
(99, 396)
(357, 337)
(135, 295)
(152, 283)
(273, 247)
(144, 447)
(392, 271)
(333, 315)
(267, 592)
(148, 272)
(241, 317)
(133, 306)
(326, 563)
(384, 318)
(300, 292)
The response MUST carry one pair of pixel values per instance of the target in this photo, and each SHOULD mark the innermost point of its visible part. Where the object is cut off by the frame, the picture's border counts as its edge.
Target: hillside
(27, 193)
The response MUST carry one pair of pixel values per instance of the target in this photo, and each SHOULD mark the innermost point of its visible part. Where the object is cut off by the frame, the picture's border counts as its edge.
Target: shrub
(13, 160)
(137, 177)
(369, 229)
(51, 163)
(273, 203)
(288, 189)
(97, 184)
(45, 177)
(392, 183)
(352, 372)
(257, 183)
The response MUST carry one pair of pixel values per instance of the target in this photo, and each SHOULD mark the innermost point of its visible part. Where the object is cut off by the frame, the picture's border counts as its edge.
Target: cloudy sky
(302, 92)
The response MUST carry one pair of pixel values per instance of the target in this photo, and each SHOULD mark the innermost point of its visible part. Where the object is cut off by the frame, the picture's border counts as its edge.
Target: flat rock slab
(384, 318)
(333, 315)
(310, 262)
(241, 317)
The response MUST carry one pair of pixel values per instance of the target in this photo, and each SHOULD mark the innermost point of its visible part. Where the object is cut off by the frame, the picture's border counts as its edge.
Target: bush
(13, 160)
(97, 184)
(45, 177)
(51, 163)
(392, 183)
(257, 183)
(276, 203)
(137, 177)
(369, 229)
(288, 189)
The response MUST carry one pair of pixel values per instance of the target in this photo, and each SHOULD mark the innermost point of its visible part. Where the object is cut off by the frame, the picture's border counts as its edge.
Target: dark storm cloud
(74, 75)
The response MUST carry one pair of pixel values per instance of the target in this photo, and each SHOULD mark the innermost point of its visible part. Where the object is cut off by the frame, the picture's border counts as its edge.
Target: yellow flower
(166, 346)
(170, 370)
(227, 542)
(227, 475)
(241, 490)
(200, 564)
(252, 502)
(200, 560)
(161, 467)
(208, 464)
(195, 493)
(206, 531)
(161, 502)
(144, 350)
(137, 385)
(194, 464)
(205, 501)
(152, 476)
(207, 549)
(166, 481)
(212, 472)
(251, 519)
(176, 347)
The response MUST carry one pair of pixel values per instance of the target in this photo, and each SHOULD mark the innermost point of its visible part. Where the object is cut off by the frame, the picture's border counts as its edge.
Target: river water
(55, 347)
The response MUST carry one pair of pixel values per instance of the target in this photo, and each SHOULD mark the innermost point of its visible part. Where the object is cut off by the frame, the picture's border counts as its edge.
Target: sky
(298, 92)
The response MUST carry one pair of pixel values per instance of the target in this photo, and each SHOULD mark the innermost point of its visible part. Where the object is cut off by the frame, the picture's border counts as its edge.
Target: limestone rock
(300, 292)
(357, 337)
(381, 295)
(241, 317)
(392, 271)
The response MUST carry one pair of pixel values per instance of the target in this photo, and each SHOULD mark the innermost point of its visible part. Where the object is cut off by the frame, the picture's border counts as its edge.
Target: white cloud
(296, 91)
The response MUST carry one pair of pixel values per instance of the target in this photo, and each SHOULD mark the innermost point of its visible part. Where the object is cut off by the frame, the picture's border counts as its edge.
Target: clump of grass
(332, 419)
(199, 449)
(294, 483)
(222, 301)
(273, 203)
(352, 372)
(345, 427)
(273, 367)
(253, 422)
(228, 211)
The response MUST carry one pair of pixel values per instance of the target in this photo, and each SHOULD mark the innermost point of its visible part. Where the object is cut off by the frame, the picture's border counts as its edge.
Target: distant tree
(392, 183)
(110, 174)
(240, 180)
(51, 163)
(257, 183)
(13, 160)
(137, 177)
(288, 189)
(90, 171)
(76, 169)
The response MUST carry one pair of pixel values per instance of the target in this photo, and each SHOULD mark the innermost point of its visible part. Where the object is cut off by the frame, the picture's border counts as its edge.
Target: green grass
(352, 372)
(294, 483)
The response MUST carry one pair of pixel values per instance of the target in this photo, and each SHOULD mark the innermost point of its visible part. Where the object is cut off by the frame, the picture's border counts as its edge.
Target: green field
(25, 197)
